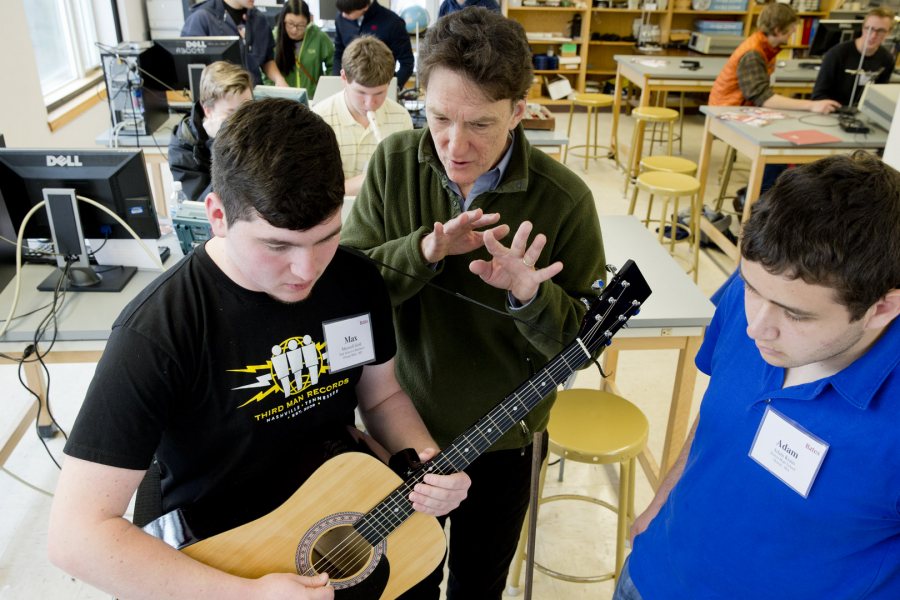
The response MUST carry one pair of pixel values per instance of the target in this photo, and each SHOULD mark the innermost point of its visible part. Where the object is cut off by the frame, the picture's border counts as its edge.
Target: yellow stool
(644, 115)
(666, 164)
(594, 427)
(592, 103)
(672, 187)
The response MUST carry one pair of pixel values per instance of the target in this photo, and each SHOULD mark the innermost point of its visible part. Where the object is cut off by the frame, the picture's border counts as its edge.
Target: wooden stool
(644, 115)
(672, 187)
(598, 428)
(592, 103)
(666, 164)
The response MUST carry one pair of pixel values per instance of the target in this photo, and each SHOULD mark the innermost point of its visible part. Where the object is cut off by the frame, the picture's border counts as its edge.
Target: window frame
(81, 27)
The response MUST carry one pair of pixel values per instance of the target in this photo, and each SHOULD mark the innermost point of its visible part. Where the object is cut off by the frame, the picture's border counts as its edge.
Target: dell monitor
(189, 55)
(830, 33)
(116, 179)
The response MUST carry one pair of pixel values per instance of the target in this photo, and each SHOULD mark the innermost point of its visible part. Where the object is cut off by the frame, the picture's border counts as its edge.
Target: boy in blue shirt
(789, 484)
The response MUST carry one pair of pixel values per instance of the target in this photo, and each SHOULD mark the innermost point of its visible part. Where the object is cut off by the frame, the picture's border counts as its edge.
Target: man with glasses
(841, 65)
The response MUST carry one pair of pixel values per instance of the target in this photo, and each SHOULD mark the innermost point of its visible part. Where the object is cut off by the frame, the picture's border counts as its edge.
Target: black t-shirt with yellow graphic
(231, 390)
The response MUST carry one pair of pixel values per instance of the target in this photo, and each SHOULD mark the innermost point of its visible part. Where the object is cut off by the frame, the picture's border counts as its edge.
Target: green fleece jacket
(316, 55)
(457, 360)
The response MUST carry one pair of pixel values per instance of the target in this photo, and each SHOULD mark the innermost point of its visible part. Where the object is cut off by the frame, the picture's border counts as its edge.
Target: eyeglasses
(876, 31)
(294, 26)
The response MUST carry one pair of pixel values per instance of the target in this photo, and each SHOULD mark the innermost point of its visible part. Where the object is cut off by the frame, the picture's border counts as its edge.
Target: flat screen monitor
(288, 93)
(327, 10)
(116, 179)
(190, 54)
(830, 33)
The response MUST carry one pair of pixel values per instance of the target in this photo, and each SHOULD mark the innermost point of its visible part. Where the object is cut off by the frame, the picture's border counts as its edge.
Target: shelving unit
(554, 20)
(597, 55)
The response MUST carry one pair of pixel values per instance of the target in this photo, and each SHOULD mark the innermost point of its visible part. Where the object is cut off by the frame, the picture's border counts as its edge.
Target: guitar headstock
(621, 299)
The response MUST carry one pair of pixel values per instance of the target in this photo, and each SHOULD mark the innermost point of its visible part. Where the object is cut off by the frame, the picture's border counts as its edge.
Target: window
(64, 36)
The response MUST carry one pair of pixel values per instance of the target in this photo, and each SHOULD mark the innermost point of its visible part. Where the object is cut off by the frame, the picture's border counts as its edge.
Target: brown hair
(882, 12)
(775, 18)
(278, 159)
(834, 222)
(485, 47)
(220, 79)
(368, 61)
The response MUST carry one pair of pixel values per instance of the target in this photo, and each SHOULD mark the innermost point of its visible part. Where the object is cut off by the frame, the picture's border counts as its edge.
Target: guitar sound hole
(341, 552)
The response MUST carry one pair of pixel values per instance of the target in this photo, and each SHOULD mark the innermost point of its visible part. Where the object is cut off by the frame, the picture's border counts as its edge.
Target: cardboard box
(538, 117)
(559, 88)
(568, 50)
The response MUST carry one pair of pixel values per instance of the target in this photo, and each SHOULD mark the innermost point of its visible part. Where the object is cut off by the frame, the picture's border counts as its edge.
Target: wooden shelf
(597, 55)
(547, 101)
(545, 9)
(551, 41)
(710, 12)
(627, 10)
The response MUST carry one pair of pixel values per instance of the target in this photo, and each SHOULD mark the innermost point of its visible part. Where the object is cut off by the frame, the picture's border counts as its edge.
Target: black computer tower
(134, 74)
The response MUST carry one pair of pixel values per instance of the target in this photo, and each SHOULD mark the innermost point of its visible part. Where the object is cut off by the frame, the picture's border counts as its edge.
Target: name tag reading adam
(788, 451)
(349, 342)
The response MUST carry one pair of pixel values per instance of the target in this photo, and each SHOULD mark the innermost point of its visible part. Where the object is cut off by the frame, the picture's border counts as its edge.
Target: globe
(416, 18)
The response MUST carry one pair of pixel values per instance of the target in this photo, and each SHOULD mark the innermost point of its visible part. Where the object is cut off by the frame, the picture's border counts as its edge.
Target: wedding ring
(526, 263)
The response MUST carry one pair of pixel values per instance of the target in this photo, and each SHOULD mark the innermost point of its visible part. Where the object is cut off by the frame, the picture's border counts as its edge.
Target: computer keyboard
(33, 257)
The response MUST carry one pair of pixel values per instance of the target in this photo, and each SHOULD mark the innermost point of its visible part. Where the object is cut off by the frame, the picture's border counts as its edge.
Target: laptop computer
(289, 93)
(329, 85)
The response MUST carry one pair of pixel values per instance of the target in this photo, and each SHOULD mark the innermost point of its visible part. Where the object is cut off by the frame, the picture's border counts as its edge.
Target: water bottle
(177, 198)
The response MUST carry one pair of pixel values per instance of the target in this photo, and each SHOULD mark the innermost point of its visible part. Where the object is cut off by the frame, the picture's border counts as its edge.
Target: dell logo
(63, 161)
(198, 44)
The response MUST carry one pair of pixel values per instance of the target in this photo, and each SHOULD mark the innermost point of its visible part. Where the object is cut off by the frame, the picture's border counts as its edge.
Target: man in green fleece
(439, 204)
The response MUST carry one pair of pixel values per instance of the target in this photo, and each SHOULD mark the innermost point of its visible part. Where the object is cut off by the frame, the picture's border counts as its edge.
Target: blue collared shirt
(731, 529)
(487, 181)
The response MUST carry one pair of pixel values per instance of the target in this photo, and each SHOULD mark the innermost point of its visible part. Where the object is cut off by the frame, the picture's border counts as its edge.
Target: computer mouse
(781, 63)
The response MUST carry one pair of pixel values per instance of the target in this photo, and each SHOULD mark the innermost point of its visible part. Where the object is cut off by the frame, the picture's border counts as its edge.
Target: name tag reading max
(788, 451)
(349, 342)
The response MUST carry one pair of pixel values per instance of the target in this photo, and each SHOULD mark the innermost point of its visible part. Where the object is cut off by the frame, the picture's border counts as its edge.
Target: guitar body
(302, 534)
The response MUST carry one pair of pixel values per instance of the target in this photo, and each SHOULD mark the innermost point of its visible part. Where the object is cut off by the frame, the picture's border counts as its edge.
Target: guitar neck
(619, 301)
(396, 508)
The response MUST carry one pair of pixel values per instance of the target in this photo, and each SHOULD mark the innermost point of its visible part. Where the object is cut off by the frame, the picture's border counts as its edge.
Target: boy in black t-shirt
(841, 64)
(239, 370)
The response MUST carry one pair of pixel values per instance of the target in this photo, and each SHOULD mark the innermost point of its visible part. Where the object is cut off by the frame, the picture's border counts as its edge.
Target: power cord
(27, 483)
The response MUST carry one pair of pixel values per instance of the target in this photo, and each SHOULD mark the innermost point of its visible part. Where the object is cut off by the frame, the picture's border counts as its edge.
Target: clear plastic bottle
(177, 198)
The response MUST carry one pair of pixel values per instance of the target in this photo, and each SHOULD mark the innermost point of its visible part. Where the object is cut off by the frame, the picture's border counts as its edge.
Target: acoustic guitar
(375, 545)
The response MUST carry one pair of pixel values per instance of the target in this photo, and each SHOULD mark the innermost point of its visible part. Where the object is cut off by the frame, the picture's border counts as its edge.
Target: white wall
(892, 150)
(133, 17)
(23, 118)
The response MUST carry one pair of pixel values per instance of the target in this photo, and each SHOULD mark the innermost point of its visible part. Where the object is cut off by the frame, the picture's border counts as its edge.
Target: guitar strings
(359, 547)
(396, 508)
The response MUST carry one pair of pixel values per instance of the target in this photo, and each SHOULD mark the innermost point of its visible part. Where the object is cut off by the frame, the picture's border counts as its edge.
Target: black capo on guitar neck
(405, 462)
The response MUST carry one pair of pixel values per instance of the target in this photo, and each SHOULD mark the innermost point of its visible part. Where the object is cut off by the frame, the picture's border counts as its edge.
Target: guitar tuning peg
(586, 302)
(612, 269)
(598, 286)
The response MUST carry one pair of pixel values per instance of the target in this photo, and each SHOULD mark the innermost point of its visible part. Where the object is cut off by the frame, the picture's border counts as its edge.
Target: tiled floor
(571, 537)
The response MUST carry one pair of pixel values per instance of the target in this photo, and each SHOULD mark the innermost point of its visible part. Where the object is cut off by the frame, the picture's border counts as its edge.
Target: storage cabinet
(558, 23)
(601, 32)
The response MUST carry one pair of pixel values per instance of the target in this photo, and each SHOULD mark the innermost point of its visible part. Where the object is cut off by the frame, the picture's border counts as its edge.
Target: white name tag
(788, 451)
(349, 342)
